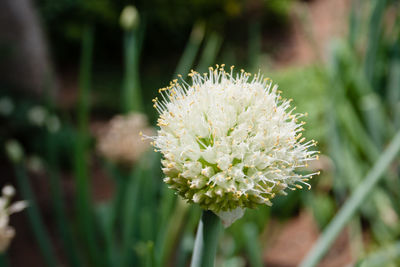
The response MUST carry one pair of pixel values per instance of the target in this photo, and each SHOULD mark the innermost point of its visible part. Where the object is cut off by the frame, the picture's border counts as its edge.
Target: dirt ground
(288, 244)
(313, 25)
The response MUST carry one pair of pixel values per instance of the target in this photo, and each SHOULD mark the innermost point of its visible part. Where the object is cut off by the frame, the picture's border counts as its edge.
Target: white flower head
(230, 141)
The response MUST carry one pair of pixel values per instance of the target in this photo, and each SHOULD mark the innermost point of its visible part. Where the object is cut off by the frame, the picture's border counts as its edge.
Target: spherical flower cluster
(120, 141)
(230, 141)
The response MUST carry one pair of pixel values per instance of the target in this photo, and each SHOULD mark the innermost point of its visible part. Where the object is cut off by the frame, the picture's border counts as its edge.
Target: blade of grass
(112, 212)
(252, 245)
(374, 117)
(356, 131)
(34, 217)
(354, 202)
(210, 51)
(346, 156)
(167, 205)
(52, 154)
(382, 257)
(130, 218)
(374, 40)
(59, 211)
(132, 97)
(61, 218)
(131, 211)
(254, 45)
(103, 213)
(192, 47)
(120, 179)
(175, 224)
(148, 198)
(356, 237)
(145, 250)
(394, 85)
(83, 203)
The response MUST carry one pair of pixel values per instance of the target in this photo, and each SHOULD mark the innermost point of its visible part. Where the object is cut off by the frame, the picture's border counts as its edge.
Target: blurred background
(77, 79)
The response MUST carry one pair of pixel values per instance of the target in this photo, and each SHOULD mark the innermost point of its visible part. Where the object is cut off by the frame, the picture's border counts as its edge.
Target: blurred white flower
(6, 209)
(35, 164)
(230, 141)
(37, 115)
(121, 142)
(129, 18)
(6, 106)
(14, 150)
(8, 191)
(53, 124)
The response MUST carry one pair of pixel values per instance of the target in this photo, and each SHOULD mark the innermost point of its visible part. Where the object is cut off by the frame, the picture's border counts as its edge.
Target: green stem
(205, 246)
(132, 98)
(121, 181)
(254, 45)
(210, 52)
(167, 208)
(62, 220)
(83, 202)
(85, 76)
(191, 49)
(382, 257)
(130, 216)
(59, 210)
(374, 34)
(34, 217)
(170, 234)
(350, 207)
(252, 245)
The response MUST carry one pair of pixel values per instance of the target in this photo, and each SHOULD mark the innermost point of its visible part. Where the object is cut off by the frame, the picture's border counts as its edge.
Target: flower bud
(8, 191)
(129, 18)
(6, 106)
(14, 151)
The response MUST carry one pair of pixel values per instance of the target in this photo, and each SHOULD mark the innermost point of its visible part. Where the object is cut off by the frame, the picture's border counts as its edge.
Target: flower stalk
(131, 97)
(35, 219)
(205, 246)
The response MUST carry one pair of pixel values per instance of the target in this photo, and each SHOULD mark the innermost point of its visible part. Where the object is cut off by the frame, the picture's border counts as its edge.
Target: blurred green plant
(387, 256)
(363, 119)
(354, 107)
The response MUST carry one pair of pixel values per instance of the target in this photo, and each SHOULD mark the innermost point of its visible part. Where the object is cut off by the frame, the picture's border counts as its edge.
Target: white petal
(17, 206)
(8, 191)
(229, 217)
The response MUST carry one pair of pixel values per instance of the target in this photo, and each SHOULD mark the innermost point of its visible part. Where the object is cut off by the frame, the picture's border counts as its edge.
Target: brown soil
(314, 24)
(288, 245)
